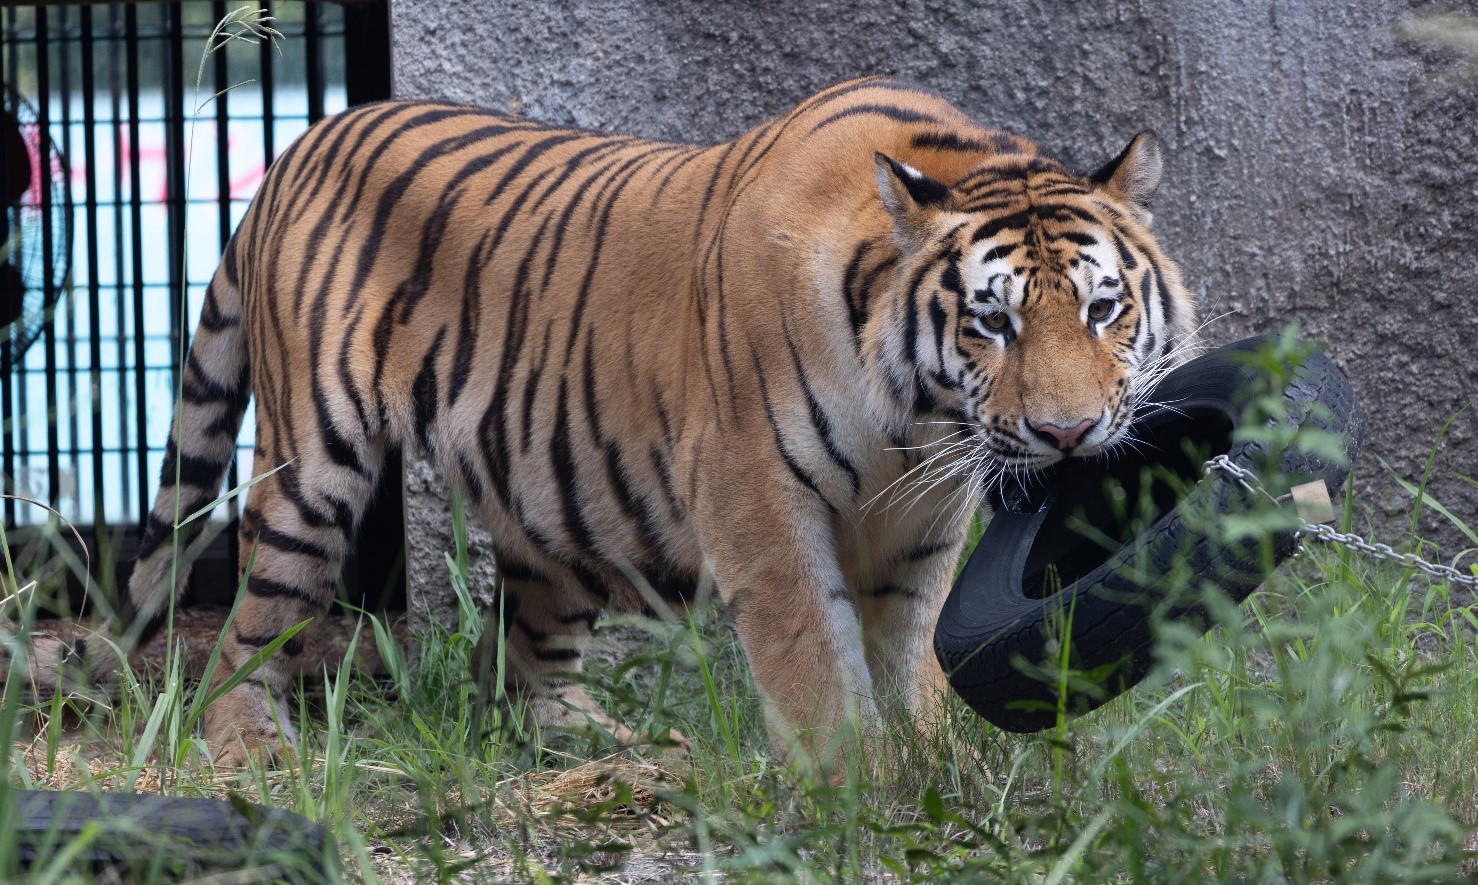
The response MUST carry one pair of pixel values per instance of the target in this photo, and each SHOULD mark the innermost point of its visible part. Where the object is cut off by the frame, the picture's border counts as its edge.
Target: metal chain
(1437, 571)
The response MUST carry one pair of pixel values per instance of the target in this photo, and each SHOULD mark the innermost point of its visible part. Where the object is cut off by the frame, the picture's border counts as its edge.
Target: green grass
(1324, 731)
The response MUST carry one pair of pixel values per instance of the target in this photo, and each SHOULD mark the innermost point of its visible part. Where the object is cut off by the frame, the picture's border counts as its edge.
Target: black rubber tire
(994, 641)
(171, 836)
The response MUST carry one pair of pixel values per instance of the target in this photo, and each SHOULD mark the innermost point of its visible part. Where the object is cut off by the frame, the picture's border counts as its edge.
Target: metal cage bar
(114, 86)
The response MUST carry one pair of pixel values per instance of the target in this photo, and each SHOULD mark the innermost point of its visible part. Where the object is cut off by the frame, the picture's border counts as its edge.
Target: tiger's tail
(214, 391)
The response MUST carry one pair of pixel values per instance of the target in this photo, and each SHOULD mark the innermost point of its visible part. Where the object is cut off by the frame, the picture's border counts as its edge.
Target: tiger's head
(1029, 305)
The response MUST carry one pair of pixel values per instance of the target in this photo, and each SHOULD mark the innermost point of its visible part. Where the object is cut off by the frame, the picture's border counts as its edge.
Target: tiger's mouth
(1015, 453)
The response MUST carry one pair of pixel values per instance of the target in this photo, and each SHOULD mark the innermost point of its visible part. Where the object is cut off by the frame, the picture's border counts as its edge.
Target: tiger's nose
(1064, 438)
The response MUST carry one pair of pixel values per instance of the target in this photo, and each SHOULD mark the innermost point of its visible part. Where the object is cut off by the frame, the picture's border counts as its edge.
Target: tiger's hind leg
(545, 625)
(296, 527)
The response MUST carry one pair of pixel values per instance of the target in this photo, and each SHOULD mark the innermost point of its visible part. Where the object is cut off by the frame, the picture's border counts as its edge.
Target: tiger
(789, 366)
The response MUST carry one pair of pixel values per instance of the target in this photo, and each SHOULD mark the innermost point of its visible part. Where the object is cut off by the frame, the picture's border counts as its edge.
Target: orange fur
(763, 362)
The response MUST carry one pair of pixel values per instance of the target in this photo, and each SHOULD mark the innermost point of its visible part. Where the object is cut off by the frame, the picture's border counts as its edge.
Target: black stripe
(590, 582)
(588, 617)
(681, 155)
(616, 475)
(718, 168)
(344, 514)
(887, 111)
(77, 651)
(228, 425)
(995, 175)
(949, 141)
(493, 428)
(156, 532)
(211, 318)
(567, 477)
(924, 551)
(1066, 189)
(636, 507)
(754, 138)
(819, 422)
(292, 489)
(1039, 164)
(582, 163)
(339, 449)
(856, 306)
(865, 288)
(672, 173)
(673, 586)
(1067, 212)
(398, 309)
(468, 329)
(1142, 327)
(572, 202)
(664, 476)
(368, 255)
(795, 468)
(471, 480)
(893, 590)
(1125, 256)
(198, 387)
(938, 318)
(996, 252)
(293, 646)
(191, 470)
(597, 243)
(371, 248)
(587, 377)
(557, 654)
(1167, 311)
(510, 570)
(424, 393)
(986, 206)
(924, 401)
(228, 265)
(264, 533)
(257, 585)
(531, 153)
(305, 175)
(435, 115)
(1006, 222)
(531, 388)
(817, 101)
(530, 630)
(1144, 293)
(910, 303)
(663, 418)
(306, 196)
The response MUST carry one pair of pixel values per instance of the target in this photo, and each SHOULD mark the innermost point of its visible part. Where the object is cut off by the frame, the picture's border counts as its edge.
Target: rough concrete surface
(1312, 174)
(430, 598)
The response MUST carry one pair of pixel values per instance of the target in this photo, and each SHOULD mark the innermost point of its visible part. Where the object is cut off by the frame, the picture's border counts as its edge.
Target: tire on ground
(997, 642)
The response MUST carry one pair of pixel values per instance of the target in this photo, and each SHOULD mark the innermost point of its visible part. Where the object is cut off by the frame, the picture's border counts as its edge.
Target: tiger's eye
(1099, 310)
(996, 322)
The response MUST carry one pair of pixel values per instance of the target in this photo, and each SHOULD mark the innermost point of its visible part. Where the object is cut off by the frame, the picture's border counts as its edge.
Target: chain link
(1437, 571)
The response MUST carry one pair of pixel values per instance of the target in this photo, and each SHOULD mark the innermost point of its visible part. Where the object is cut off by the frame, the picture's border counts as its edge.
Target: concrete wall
(1311, 175)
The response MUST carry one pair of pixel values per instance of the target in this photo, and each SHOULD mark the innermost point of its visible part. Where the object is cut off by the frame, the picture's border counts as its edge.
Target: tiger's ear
(1134, 174)
(909, 195)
